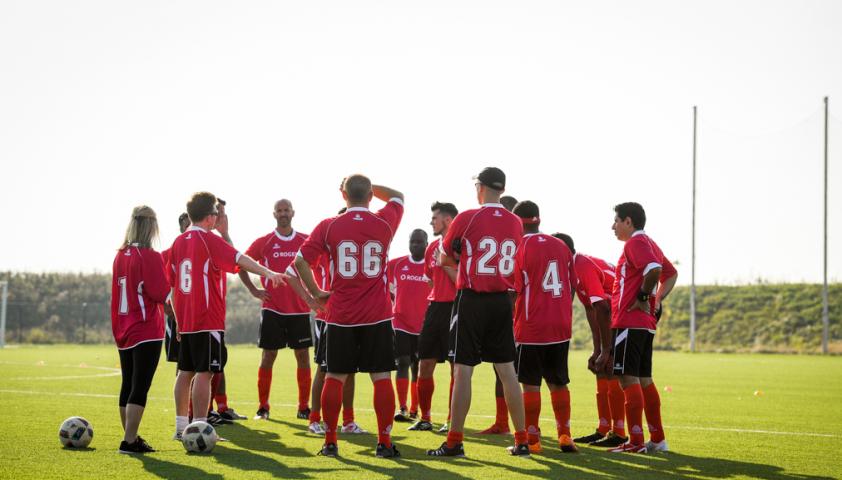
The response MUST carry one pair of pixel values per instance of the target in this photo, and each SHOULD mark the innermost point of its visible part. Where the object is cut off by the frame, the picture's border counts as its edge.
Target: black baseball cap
(492, 177)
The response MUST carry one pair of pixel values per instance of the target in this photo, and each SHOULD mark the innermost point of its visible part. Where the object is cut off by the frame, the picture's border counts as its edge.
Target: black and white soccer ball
(199, 437)
(76, 432)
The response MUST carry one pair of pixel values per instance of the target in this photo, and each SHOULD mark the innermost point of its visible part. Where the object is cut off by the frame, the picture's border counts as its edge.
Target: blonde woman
(138, 290)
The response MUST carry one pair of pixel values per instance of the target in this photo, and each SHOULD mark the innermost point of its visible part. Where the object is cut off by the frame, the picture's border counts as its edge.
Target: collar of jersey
(420, 262)
(532, 234)
(285, 239)
(493, 205)
(638, 232)
(194, 228)
(357, 209)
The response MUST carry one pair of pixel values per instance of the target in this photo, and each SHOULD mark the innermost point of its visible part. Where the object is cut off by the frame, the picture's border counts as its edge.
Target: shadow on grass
(170, 470)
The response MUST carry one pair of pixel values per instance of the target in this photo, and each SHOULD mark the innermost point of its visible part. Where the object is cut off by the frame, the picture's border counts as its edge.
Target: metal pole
(84, 327)
(5, 296)
(825, 317)
(693, 249)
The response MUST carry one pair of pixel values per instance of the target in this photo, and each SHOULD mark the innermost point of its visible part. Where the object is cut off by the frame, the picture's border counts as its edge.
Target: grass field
(716, 426)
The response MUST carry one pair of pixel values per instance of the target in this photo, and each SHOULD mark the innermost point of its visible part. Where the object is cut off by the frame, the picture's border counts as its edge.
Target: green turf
(716, 426)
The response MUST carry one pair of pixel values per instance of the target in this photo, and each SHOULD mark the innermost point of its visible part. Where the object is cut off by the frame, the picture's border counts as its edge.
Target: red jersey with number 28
(444, 290)
(544, 280)
(485, 241)
(275, 252)
(595, 279)
(199, 261)
(139, 288)
(410, 287)
(358, 244)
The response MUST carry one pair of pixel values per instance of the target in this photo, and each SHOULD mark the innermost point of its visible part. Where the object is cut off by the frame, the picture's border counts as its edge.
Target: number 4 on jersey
(552, 282)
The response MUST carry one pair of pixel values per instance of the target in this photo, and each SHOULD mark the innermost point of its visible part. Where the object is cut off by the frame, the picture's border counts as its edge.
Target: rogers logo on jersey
(283, 254)
(413, 278)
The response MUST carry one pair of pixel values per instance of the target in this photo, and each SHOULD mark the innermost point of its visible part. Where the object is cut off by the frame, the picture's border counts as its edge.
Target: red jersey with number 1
(485, 241)
(139, 288)
(275, 252)
(544, 280)
(444, 290)
(357, 243)
(411, 288)
(595, 279)
(199, 261)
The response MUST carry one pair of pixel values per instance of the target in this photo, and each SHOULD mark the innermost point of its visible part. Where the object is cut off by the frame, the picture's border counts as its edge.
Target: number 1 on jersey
(124, 297)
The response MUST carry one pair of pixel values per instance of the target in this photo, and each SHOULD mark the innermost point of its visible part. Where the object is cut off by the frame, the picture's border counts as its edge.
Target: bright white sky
(108, 104)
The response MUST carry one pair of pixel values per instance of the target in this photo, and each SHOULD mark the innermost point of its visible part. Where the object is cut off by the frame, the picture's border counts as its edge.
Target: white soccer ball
(199, 437)
(76, 432)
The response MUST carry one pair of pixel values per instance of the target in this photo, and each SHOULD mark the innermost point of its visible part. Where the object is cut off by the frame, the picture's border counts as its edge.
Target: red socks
(502, 413)
(634, 413)
(264, 385)
(331, 403)
(384, 408)
(652, 407)
(521, 437)
(426, 386)
(617, 401)
(347, 415)
(402, 386)
(532, 409)
(603, 407)
(315, 415)
(454, 438)
(303, 377)
(413, 395)
(561, 409)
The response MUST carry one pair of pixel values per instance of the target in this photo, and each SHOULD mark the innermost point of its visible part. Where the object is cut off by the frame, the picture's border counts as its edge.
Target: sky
(105, 105)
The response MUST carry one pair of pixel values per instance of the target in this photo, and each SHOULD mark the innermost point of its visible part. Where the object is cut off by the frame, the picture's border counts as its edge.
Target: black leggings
(138, 364)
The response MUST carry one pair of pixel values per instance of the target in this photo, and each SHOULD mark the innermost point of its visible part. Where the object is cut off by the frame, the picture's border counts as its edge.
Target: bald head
(357, 189)
(283, 214)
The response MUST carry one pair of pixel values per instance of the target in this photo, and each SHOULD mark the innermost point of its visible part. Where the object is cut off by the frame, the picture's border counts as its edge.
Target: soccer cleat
(352, 427)
(329, 450)
(387, 452)
(230, 414)
(215, 420)
(303, 414)
(421, 425)
(536, 447)
(610, 441)
(444, 428)
(495, 430)
(316, 428)
(520, 450)
(629, 448)
(402, 416)
(444, 451)
(262, 414)
(594, 437)
(565, 443)
(413, 416)
(138, 446)
(177, 436)
(654, 447)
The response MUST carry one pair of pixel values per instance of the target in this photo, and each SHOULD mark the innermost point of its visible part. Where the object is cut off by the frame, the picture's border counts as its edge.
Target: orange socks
(634, 413)
(603, 407)
(561, 409)
(617, 400)
(413, 395)
(331, 403)
(264, 385)
(652, 407)
(532, 409)
(303, 377)
(384, 408)
(402, 387)
(426, 387)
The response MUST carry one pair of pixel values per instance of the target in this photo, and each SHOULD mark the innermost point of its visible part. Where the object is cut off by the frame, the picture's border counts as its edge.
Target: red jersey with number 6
(544, 280)
(485, 241)
(410, 287)
(139, 288)
(595, 279)
(358, 245)
(275, 252)
(199, 261)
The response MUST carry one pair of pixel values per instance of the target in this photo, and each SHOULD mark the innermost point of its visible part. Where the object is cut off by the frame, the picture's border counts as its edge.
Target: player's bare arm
(649, 282)
(295, 283)
(602, 319)
(222, 224)
(665, 288)
(306, 276)
(248, 263)
(385, 193)
(258, 293)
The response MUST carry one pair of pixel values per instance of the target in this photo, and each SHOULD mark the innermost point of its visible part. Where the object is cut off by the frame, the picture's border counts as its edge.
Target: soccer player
(410, 288)
(171, 333)
(359, 335)
(200, 260)
(641, 269)
(544, 282)
(485, 241)
(595, 281)
(284, 317)
(138, 290)
(434, 340)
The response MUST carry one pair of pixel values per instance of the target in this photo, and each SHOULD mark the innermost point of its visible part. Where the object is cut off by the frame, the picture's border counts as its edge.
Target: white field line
(672, 427)
(112, 372)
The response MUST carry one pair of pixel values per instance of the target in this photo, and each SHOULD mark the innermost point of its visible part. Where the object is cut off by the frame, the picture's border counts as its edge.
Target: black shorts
(319, 344)
(364, 348)
(202, 352)
(484, 330)
(170, 340)
(633, 352)
(406, 344)
(549, 362)
(434, 341)
(278, 331)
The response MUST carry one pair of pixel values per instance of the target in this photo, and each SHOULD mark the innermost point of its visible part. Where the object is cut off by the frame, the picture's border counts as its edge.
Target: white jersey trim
(285, 314)
(651, 267)
(595, 299)
(548, 343)
(361, 324)
(143, 341)
(201, 331)
(406, 332)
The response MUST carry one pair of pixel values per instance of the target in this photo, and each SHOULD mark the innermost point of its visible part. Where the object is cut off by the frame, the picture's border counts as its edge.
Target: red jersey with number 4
(410, 286)
(485, 241)
(544, 280)
(640, 255)
(358, 244)
(199, 261)
(275, 252)
(139, 288)
(595, 279)
(444, 290)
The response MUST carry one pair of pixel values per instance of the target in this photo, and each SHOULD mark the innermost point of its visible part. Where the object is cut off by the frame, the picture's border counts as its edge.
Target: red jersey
(199, 261)
(640, 255)
(444, 290)
(485, 241)
(139, 288)
(276, 252)
(544, 280)
(357, 243)
(595, 279)
(411, 287)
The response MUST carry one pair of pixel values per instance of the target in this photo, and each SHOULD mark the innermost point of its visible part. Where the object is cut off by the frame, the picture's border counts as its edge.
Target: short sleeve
(640, 254)
(520, 269)
(224, 256)
(454, 234)
(392, 213)
(667, 270)
(155, 279)
(255, 250)
(590, 285)
(316, 244)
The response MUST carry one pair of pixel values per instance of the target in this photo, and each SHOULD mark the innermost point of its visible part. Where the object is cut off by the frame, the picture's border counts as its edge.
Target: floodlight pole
(3, 297)
(825, 317)
(693, 248)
